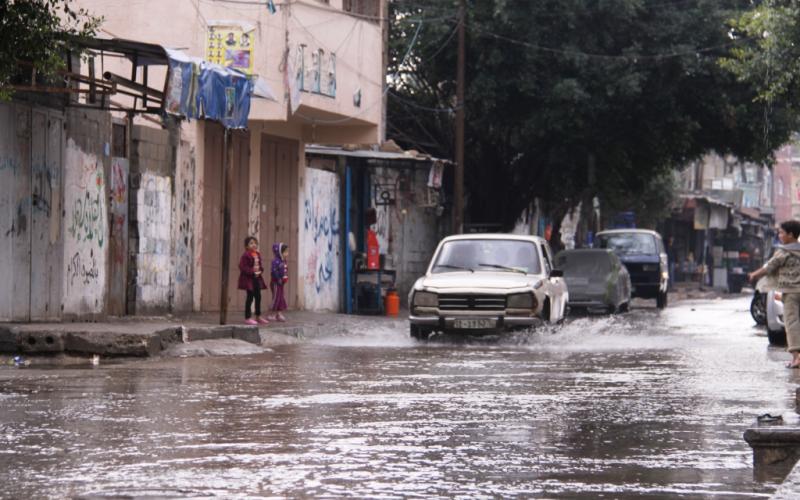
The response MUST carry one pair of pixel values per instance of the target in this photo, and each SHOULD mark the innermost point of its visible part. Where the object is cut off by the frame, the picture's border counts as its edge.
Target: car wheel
(419, 333)
(661, 300)
(625, 307)
(776, 337)
(758, 308)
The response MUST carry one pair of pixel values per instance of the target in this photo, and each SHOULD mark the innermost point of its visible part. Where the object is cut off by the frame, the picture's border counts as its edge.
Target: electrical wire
(420, 107)
(627, 57)
(318, 6)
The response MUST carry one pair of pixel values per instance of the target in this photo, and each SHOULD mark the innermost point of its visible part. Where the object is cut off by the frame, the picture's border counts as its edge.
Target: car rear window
(487, 255)
(628, 243)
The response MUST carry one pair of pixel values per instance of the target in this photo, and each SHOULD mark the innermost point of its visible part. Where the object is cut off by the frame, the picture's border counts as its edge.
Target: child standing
(251, 269)
(784, 270)
(278, 279)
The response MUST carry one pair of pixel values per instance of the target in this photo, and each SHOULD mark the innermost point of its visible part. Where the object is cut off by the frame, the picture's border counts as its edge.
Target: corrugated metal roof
(368, 154)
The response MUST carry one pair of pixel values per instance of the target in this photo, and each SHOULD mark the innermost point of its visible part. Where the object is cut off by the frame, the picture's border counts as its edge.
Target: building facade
(323, 63)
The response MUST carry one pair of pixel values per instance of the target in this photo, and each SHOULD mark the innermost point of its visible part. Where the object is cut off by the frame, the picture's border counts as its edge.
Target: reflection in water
(650, 403)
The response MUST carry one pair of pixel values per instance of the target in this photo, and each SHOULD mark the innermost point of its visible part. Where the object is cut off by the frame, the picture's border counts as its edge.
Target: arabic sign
(231, 46)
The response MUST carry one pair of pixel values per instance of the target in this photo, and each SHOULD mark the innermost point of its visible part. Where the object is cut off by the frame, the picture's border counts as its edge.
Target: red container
(392, 303)
(373, 252)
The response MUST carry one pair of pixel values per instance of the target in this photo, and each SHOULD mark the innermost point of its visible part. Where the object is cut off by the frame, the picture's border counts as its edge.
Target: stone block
(170, 336)
(9, 339)
(776, 450)
(207, 333)
(247, 333)
(40, 341)
(113, 343)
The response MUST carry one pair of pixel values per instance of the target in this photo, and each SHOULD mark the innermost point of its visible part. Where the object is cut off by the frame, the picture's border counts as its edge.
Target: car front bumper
(500, 321)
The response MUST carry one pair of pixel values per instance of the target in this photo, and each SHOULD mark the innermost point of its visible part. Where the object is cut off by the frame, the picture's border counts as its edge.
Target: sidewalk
(146, 337)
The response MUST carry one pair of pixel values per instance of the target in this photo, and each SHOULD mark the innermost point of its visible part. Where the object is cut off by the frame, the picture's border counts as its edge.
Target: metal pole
(458, 211)
(227, 182)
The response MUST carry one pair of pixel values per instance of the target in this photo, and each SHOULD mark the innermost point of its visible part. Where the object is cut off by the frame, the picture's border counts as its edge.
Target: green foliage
(634, 85)
(38, 32)
(768, 56)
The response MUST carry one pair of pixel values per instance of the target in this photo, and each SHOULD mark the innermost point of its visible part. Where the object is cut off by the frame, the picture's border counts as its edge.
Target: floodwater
(647, 404)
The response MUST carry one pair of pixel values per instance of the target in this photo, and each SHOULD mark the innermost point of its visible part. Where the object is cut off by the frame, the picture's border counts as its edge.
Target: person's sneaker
(263, 321)
(250, 321)
(280, 317)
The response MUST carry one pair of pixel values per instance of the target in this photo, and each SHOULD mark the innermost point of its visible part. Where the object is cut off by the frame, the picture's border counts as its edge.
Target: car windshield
(584, 264)
(487, 255)
(628, 243)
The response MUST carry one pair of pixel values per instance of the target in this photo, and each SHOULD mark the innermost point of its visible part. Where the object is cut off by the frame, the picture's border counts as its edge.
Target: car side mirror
(556, 273)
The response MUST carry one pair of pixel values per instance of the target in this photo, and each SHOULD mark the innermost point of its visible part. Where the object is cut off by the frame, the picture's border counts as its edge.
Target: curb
(117, 340)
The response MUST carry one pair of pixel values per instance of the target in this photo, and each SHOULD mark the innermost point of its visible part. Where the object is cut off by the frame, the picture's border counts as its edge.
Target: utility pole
(458, 191)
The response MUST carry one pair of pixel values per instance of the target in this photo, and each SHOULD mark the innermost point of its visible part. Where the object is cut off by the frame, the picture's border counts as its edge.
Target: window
(487, 255)
(119, 140)
(367, 8)
(629, 243)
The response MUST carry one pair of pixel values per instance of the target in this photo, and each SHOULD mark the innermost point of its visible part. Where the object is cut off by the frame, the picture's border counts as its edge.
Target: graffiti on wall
(321, 240)
(44, 192)
(184, 228)
(154, 209)
(86, 212)
(86, 221)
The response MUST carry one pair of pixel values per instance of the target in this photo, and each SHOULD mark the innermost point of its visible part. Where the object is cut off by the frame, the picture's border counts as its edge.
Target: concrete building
(323, 62)
(721, 223)
(786, 188)
(143, 234)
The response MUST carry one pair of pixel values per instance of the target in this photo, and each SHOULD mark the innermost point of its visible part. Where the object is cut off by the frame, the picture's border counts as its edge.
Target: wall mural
(85, 241)
(320, 240)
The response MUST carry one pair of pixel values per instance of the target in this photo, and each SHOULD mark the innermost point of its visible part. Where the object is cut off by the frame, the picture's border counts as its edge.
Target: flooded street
(647, 404)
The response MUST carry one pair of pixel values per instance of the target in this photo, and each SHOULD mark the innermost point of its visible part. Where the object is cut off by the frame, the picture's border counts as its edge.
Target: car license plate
(475, 324)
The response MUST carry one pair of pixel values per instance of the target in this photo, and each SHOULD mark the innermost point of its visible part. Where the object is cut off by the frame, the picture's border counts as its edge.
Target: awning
(317, 149)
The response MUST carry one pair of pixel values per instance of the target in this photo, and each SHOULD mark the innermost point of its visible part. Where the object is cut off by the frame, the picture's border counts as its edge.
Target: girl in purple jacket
(279, 276)
(251, 270)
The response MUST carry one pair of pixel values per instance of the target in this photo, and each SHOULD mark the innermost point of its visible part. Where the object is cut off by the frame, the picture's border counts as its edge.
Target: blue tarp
(198, 89)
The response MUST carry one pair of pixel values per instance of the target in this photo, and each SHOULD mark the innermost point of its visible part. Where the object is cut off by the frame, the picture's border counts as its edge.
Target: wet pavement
(647, 404)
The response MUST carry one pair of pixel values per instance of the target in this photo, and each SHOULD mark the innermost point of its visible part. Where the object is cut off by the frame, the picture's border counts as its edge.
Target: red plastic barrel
(392, 303)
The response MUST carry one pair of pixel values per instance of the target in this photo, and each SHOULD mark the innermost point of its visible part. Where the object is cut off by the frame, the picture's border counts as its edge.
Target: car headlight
(426, 299)
(520, 301)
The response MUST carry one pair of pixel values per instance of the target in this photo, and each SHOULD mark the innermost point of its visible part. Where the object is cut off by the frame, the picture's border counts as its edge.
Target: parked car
(596, 278)
(642, 251)
(487, 283)
(776, 333)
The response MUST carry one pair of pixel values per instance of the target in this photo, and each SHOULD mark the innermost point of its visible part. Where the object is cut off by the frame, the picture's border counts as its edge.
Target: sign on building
(230, 45)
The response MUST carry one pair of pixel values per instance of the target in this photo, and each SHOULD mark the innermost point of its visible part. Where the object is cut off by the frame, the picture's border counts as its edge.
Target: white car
(487, 283)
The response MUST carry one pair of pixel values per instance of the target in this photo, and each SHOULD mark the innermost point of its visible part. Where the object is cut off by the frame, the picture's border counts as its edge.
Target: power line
(420, 107)
(626, 57)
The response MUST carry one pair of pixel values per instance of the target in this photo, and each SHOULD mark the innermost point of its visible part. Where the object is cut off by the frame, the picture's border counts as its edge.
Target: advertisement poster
(230, 46)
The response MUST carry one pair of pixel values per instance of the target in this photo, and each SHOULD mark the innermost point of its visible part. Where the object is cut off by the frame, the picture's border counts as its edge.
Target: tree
(38, 32)
(572, 99)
